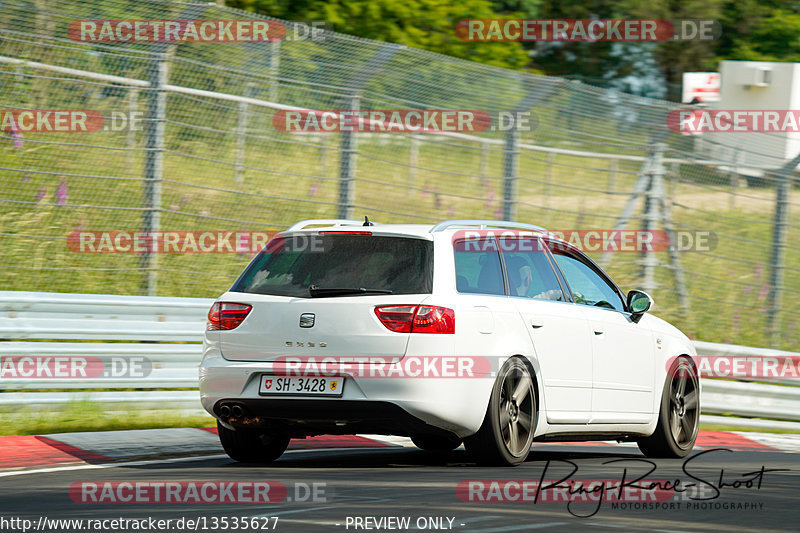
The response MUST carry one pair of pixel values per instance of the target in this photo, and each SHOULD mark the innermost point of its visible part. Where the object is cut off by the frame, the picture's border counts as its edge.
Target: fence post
(652, 214)
(274, 68)
(413, 161)
(534, 95)
(323, 154)
(548, 177)
(19, 79)
(154, 166)
(665, 215)
(510, 174)
(241, 133)
(613, 167)
(734, 178)
(780, 224)
(347, 167)
(639, 189)
(130, 141)
(674, 179)
(483, 166)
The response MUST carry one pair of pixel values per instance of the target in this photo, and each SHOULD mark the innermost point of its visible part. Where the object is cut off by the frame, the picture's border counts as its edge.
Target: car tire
(436, 443)
(252, 446)
(505, 437)
(679, 414)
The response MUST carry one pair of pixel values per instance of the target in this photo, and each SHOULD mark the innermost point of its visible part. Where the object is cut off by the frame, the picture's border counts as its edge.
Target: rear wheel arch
(532, 369)
(511, 416)
(535, 376)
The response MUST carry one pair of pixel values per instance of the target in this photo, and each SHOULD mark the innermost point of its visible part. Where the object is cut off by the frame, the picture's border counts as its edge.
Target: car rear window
(289, 266)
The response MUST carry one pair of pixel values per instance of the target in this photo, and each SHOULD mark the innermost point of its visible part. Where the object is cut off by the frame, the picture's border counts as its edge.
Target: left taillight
(226, 315)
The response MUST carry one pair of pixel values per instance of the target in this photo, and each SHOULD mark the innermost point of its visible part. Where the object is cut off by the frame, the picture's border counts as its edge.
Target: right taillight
(417, 318)
(432, 319)
(226, 315)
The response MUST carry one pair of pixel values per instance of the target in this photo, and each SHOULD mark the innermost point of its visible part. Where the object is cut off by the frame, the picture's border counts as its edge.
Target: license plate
(276, 385)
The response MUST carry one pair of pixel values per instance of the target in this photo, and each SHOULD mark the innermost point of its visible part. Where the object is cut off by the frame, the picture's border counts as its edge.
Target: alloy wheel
(516, 411)
(683, 405)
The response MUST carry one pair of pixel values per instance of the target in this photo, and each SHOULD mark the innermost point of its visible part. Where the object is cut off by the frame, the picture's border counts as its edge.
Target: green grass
(718, 427)
(88, 416)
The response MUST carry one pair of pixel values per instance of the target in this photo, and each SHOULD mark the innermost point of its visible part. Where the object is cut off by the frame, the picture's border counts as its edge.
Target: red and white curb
(112, 446)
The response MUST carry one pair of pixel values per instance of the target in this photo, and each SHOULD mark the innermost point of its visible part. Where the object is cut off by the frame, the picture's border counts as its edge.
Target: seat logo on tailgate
(307, 320)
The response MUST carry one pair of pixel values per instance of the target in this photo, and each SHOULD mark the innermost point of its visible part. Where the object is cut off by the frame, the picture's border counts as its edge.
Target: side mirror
(639, 302)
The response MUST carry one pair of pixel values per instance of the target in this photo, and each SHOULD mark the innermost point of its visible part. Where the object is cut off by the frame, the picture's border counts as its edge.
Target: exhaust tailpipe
(224, 411)
(237, 411)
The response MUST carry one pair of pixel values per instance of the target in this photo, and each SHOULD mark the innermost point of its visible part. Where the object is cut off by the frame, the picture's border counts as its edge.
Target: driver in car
(521, 278)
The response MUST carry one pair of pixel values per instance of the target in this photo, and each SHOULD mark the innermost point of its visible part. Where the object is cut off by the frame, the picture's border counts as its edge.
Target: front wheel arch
(679, 409)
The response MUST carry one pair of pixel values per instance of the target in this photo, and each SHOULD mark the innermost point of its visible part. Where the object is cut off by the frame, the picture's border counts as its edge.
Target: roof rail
(441, 226)
(326, 222)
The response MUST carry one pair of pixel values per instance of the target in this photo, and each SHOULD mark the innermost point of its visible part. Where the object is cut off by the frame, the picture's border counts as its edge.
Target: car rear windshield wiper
(321, 292)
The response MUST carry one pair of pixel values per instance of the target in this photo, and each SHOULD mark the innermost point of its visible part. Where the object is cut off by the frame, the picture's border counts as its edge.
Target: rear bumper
(306, 417)
(397, 406)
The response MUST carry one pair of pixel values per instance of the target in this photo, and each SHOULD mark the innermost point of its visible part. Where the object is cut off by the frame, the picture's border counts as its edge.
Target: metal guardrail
(43, 315)
(167, 366)
(751, 399)
(169, 335)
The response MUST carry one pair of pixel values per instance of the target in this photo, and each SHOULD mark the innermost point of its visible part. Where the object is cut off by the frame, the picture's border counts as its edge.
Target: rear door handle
(485, 319)
(536, 324)
(598, 332)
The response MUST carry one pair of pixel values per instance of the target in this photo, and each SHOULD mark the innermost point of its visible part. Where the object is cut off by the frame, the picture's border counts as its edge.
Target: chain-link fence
(208, 157)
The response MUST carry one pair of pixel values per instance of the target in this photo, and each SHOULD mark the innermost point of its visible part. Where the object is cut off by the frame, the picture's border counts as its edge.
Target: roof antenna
(367, 222)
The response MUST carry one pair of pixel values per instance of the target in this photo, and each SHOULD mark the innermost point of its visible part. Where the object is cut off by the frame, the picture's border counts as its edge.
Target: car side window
(529, 271)
(478, 267)
(588, 287)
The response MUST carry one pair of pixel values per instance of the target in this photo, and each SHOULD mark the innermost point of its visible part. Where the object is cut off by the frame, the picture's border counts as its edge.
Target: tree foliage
(426, 24)
(767, 30)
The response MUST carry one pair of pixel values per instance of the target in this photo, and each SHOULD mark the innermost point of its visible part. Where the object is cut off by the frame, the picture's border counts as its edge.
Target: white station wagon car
(490, 333)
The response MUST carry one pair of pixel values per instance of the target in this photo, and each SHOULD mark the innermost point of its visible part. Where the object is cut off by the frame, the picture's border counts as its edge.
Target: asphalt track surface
(406, 482)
